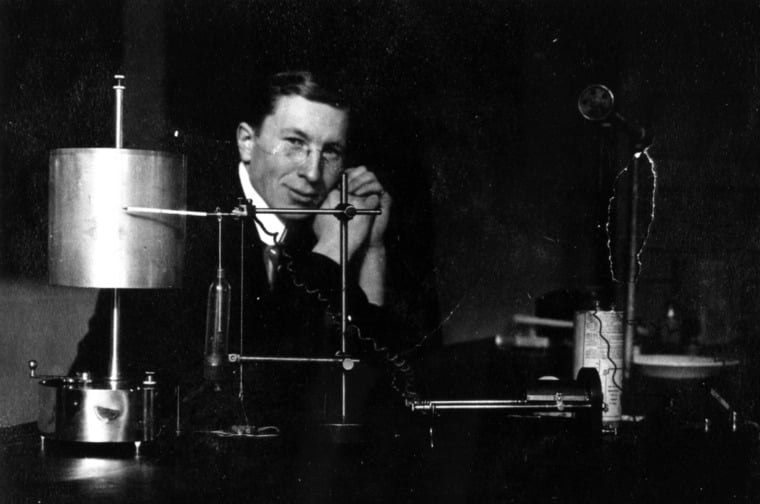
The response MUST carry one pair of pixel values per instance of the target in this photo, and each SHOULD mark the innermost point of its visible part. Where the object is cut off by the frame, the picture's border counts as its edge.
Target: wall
(37, 322)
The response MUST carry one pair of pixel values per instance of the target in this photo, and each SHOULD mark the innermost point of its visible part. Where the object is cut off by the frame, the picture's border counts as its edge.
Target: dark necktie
(271, 262)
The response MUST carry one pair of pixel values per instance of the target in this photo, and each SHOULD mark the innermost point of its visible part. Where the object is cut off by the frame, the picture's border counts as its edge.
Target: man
(292, 155)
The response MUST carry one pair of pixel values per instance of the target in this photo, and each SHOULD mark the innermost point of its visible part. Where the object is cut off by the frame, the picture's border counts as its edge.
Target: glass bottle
(217, 328)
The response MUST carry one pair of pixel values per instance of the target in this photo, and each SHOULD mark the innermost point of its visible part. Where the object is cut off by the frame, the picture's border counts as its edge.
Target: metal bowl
(680, 367)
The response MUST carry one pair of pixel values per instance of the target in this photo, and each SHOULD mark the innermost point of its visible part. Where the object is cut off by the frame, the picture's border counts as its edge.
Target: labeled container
(599, 343)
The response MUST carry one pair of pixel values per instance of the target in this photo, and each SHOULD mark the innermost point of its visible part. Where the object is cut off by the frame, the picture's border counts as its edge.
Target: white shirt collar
(271, 222)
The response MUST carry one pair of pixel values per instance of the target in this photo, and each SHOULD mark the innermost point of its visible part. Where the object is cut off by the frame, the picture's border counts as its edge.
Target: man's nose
(312, 166)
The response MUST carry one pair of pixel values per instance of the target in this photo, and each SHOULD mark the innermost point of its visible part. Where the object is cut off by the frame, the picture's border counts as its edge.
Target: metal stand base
(103, 412)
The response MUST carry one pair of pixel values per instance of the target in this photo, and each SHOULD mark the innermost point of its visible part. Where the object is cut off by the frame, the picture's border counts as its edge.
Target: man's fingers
(362, 182)
(332, 199)
(368, 202)
(371, 200)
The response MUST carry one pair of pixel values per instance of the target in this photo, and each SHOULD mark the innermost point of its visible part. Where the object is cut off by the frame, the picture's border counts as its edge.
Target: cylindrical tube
(217, 329)
(599, 344)
(114, 364)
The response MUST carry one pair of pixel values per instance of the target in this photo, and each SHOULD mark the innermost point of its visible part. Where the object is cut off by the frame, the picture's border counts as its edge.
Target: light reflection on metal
(92, 241)
(96, 412)
(92, 468)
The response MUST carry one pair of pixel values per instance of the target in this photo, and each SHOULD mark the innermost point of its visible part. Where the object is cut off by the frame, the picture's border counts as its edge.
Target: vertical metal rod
(219, 241)
(119, 88)
(241, 390)
(630, 300)
(343, 297)
(114, 371)
(178, 429)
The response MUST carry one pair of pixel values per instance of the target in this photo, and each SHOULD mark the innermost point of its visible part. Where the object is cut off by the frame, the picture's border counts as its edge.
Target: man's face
(286, 180)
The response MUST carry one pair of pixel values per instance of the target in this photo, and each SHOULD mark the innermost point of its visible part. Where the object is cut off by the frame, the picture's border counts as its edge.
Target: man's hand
(364, 183)
(365, 193)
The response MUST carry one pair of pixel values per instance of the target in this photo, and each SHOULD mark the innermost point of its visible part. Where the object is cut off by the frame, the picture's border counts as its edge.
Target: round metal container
(71, 410)
(92, 241)
(681, 367)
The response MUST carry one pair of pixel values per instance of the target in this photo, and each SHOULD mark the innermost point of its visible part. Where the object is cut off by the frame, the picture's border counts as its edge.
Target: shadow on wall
(40, 322)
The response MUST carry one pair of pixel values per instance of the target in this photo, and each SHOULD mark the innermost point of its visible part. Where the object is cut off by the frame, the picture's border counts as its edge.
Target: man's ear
(245, 139)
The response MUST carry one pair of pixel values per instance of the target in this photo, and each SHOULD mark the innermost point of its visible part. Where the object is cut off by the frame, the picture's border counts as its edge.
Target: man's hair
(320, 89)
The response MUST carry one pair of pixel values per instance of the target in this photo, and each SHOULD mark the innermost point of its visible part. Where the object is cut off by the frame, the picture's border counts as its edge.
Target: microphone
(217, 330)
(596, 103)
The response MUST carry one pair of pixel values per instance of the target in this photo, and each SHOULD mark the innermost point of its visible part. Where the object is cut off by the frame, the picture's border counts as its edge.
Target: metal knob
(84, 376)
(150, 378)
(32, 368)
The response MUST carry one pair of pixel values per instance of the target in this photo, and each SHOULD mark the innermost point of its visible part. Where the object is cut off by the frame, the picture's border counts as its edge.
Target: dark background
(501, 187)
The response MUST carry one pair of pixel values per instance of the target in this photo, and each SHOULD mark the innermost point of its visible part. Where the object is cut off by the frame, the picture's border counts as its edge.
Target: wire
(443, 321)
(273, 234)
(400, 364)
(653, 204)
(609, 354)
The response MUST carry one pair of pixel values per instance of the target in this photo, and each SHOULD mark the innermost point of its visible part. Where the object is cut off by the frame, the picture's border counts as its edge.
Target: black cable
(399, 363)
(609, 355)
(274, 235)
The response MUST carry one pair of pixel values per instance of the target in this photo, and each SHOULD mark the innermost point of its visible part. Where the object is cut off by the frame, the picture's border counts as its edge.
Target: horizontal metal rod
(333, 211)
(520, 318)
(499, 405)
(304, 211)
(453, 402)
(188, 213)
(248, 358)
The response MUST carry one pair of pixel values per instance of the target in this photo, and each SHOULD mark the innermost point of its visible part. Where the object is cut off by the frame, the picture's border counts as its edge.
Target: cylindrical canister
(93, 242)
(96, 412)
(599, 343)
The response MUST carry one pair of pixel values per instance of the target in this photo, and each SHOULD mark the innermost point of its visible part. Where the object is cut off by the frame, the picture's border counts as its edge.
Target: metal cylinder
(92, 241)
(599, 345)
(96, 412)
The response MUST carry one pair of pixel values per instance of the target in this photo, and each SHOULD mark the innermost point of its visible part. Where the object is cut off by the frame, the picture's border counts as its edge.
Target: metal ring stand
(92, 245)
(344, 212)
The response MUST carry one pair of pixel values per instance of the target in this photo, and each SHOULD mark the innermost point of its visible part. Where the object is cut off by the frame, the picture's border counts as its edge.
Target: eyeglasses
(297, 151)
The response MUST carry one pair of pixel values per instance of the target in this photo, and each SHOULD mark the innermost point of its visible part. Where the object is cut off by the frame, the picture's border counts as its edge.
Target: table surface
(477, 457)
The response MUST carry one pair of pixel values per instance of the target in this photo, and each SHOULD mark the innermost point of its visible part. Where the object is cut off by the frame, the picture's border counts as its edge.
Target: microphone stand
(596, 103)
